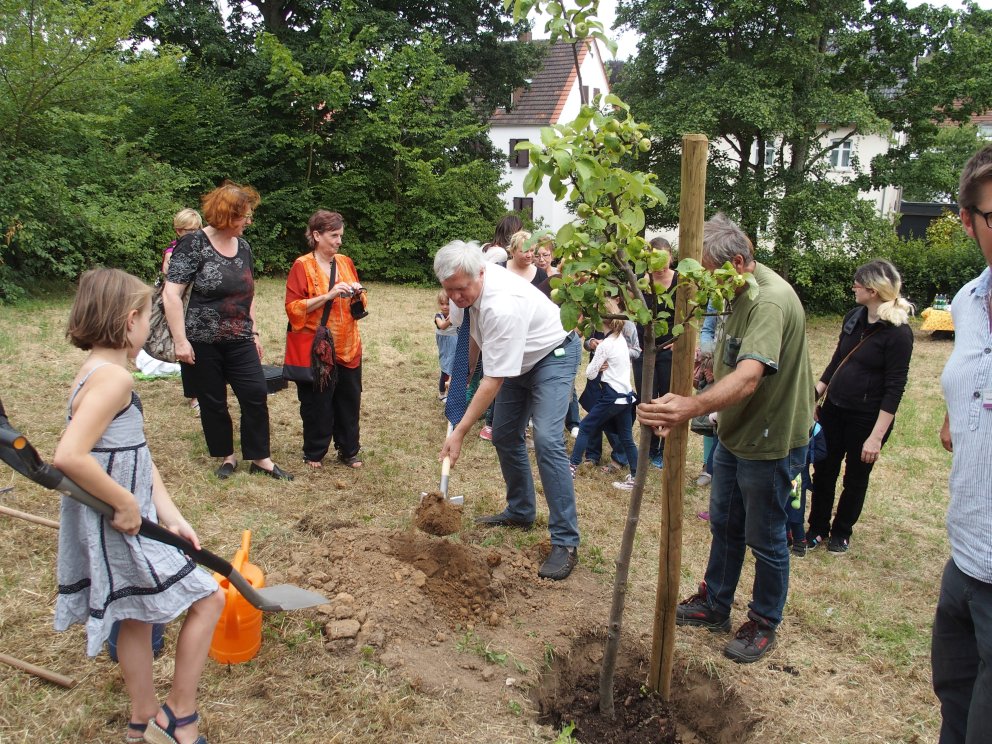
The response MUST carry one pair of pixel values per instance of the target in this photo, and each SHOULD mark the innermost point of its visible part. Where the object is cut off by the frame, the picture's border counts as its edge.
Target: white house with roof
(553, 96)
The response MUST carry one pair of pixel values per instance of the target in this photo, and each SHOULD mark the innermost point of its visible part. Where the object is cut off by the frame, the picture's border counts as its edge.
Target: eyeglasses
(985, 216)
(247, 217)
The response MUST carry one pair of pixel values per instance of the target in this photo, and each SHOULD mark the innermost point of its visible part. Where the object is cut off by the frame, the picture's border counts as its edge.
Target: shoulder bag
(159, 343)
(310, 354)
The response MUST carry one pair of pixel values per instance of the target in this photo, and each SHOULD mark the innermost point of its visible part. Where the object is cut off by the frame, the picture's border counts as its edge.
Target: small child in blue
(800, 485)
(106, 573)
(446, 336)
(611, 363)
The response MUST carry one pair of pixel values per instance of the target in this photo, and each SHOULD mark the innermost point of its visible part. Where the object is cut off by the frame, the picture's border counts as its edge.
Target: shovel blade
(285, 597)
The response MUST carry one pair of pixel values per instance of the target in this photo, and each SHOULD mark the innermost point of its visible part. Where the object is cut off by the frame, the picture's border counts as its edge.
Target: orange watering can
(238, 634)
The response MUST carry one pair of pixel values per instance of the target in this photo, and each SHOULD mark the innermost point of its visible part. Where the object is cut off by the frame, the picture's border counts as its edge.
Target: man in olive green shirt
(764, 395)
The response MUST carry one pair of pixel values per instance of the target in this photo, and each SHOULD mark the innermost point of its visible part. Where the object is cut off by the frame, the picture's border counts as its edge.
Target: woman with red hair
(217, 343)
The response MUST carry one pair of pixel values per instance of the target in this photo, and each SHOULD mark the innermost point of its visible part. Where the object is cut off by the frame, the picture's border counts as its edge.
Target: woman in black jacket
(864, 383)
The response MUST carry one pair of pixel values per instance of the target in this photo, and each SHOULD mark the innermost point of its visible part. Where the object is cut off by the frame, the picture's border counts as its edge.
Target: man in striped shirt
(961, 654)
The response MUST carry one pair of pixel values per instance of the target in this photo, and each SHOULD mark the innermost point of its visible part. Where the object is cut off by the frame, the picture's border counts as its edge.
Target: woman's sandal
(135, 738)
(155, 734)
(352, 462)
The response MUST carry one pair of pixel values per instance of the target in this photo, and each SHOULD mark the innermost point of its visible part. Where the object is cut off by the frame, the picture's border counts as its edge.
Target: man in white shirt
(961, 645)
(530, 363)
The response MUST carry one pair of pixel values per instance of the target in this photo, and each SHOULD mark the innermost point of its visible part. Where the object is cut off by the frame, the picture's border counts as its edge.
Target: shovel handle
(445, 472)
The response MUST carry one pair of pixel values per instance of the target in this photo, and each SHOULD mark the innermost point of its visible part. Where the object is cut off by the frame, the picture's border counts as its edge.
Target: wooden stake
(691, 211)
(28, 517)
(38, 671)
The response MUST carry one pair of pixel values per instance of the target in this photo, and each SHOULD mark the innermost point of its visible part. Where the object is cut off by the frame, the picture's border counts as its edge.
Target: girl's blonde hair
(612, 325)
(442, 298)
(187, 219)
(517, 241)
(104, 300)
(883, 277)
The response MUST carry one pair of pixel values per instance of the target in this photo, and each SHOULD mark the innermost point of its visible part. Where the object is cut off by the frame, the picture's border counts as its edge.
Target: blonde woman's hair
(187, 219)
(883, 277)
(517, 241)
(612, 325)
(104, 299)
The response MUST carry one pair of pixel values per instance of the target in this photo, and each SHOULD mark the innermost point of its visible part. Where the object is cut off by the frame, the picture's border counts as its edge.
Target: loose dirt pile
(455, 613)
(435, 515)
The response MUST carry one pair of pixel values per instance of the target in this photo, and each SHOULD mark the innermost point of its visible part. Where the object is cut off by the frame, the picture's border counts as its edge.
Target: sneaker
(559, 564)
(752, 641)
(656, 461)
(799, 548)
(704, 479)
(838, 545)
(627, 484)
(813, 541)
(573, 469)
(486, 433)
(574, 433)
(704, 515)
(696, 611)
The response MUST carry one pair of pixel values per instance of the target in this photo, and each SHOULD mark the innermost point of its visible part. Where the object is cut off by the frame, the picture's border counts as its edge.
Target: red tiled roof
(541, 103)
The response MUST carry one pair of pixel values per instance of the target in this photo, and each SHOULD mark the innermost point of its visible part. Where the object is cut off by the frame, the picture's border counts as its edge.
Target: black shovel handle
(18, 452)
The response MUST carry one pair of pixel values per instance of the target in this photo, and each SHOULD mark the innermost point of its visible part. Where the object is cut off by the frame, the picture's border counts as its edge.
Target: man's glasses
(985, 215)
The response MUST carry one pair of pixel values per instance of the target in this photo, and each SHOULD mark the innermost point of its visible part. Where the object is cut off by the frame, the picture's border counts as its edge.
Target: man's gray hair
(458, 256)
(722, 240)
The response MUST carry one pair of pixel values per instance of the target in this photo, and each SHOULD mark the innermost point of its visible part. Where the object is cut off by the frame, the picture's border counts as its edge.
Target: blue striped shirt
(967, 384)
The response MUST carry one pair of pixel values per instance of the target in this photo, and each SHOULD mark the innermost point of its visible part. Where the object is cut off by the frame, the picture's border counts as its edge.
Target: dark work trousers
(845, 431)
(961, 657)
(662, 384)
(331, 414)
(235, 363)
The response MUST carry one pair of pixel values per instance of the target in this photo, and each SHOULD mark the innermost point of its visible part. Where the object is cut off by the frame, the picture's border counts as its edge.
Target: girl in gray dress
(106, 571)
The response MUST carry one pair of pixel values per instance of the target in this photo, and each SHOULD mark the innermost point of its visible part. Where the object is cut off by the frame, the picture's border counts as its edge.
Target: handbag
(159, 344)
(701, 425)
(358, 310)
(310, 354)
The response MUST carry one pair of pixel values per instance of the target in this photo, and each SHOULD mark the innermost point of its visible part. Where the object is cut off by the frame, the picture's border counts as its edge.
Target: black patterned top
(223, 288)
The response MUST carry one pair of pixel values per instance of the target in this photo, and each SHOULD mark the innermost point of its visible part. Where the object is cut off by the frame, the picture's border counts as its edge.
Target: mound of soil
(435, 515)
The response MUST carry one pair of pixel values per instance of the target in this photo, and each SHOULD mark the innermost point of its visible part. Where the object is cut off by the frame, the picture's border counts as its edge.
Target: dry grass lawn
(852, 665)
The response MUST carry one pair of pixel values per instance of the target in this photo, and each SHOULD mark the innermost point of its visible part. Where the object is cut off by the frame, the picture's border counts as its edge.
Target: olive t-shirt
(770, 328)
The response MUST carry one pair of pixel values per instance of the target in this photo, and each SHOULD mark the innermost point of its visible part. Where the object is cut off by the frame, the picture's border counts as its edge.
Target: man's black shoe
(696, 611)
(501, 520)
(559, 564)
(752, 641)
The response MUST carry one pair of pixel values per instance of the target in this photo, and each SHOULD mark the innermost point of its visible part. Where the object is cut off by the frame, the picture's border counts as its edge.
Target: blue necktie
(455, 407)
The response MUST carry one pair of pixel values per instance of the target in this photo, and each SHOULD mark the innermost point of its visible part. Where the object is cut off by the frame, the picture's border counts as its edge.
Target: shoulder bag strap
(844, 361)
(327, 305)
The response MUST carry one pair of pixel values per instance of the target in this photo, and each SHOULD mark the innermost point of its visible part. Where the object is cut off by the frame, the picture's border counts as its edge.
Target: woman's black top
(874, 377)
(220, 300)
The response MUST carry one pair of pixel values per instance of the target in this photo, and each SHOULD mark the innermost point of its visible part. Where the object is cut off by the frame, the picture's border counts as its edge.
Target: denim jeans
(594, 448)
(961, 657)
(607, 411)
(541, 395)
(749, 502)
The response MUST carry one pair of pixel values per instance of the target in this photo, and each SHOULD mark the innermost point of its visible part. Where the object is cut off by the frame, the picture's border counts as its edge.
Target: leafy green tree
(769, 82)
(933, 174)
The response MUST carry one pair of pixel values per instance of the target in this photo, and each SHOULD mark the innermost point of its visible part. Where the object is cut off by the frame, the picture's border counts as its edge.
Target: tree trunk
(691, 211)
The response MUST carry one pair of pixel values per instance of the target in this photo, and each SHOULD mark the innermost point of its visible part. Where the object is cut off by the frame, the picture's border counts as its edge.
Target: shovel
(445, 472)
(16, 451)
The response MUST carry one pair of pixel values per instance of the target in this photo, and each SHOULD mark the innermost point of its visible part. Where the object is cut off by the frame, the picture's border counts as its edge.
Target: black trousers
(845, 431)
(235, 364)
(331, 414)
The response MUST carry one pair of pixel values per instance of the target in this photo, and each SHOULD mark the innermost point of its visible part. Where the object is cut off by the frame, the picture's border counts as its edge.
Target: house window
(524, 206)
(595, 92)
(840, 156)
(769, 154)
(985, 131)
(519, 158)
(585, 94)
